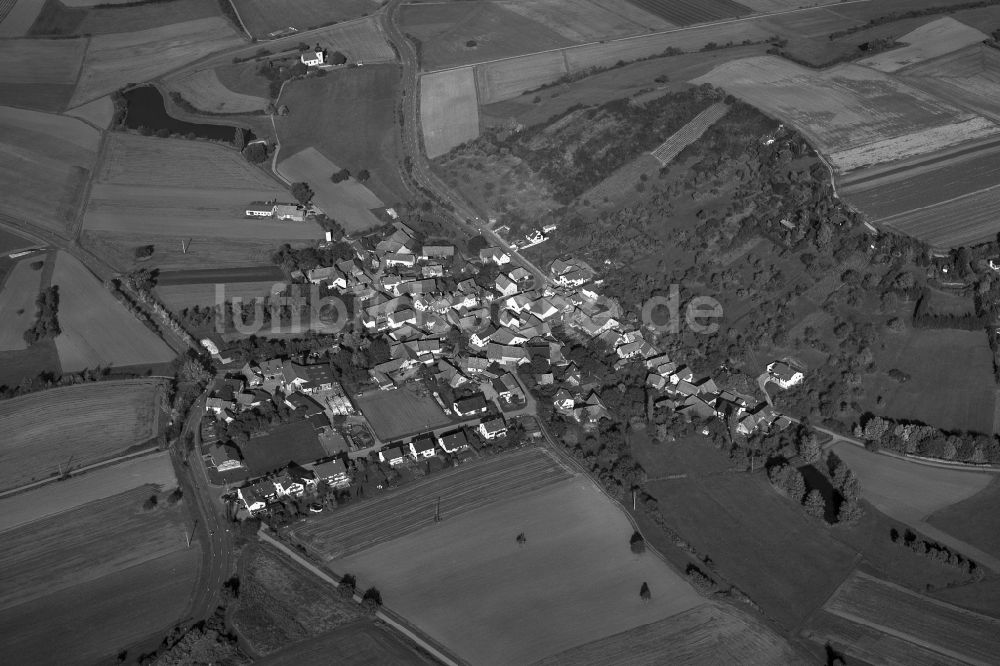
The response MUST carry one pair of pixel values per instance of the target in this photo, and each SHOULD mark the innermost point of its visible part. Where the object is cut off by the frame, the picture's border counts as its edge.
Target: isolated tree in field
(340, 176)
(644, 592)
(150, 503)
(348, 584)
(302, 193)
(815, 505)
(521, 539)
(637, 543)
(371, 600)
(363, 175)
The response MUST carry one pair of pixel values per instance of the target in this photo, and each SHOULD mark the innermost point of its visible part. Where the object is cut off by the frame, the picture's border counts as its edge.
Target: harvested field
(361, 643)
(449, 110)
(348, 202)
(296, 441)
(948, 630)
(446, 30)
(796, 563)
(928, 41)
(98, 113)
(57, 18)
(265, 18)
(98, 617)
(105, 418)
(362, 41)
(587, 20)
(969, 77)
(178, 297)
(712, 633)
(406, 510)
(97, 539)
(505, 79)
(975, 519)
(114, 60)
(18, 292)
(206, 93)
(687, 12)
(963, 221)
(691, 132)
(97, 330)
(855, 115)
(280, 604)
(44, 153)
(951, 379)
(574, 581)
(350, 116)
(152, 470)
(394, 414)
(17, 16)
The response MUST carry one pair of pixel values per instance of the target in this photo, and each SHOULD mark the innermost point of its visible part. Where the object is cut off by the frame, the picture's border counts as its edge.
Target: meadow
(969, 77)
(396, 413)
(360, 643)
(974, 519)
(98, 113)
(449, 111)
(926, 42)
(362, 41)
(61, 19)
(179, 296)
(203, 90)
(44, 153)
(266, 17)
(401, 512)
(469, 584)
(296, 441)
(18, 292)
(40, 73)
(97, 330)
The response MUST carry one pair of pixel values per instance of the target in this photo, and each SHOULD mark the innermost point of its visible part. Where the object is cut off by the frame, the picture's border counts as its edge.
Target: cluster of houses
(293, 481)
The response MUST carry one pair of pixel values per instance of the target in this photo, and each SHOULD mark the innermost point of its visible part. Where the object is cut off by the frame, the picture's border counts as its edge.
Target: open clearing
(17, 16)
(97, 330)
(350, 116)
(153, 470)
(205, 92)
(856, 115)
(400, 512)
(114, 60)
(951, 378)
(348, 202)
(468, 584)
(74, 426)
(975, 519)
(951, 631)
(928, 41)
(708, 634)
(98, 617)
(40, 152)
(449, 110)
(265, 17)
(394, 414)
(40, 73)
(728, 515)
(17, 303)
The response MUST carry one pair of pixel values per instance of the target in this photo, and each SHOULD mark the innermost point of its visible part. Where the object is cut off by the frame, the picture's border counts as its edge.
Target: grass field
(707, 634)
(16, 366)
(179, 296)
(97, 330)
(105, 418)
(98, 113)
(242, 78)
(119, 249)
(11, 242)
(17, 16)
(928, 41)
(404, 511)
(394, 414)
(40, 73)
(360, 643)
(350, 116)
(348, 202)
(975, 519)
(449, 111)
(114, 60)
(57, 18)
(945, 629)
(856, 115)
(362, 41)
(17, 303)
(205, 92)
(291, 441)
(796, 563)
(44, 153)
(152, 470)
(264, 17)
(575, 580)
(951, 379)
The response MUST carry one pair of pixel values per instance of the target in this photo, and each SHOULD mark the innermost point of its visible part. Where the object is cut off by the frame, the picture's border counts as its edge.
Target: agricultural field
(40, 74)
(394, 414)
(242, 78)
(948, 630)
(348, 202)
(770, 6)
(361, 643)
(12, 242)
(855, 115)
(687, 12)
(18, 291)
(401, 512)
(691, 132)
(713, 633)
(97, 330)
(951, 379)
(362, 41)
(575, 579)
(153, 470)
(296, 441)
(179, 296)
(59, 19)
(98, 113)
(114, 60)
(264, 18)
(17, 16)
(926, 42)
(449, 111)
(280, 604)
(974, 519)
(964, 221)
(588, 20)
(200, 250)
(205, 92)
(969, 77)
(350, 116)
(721, 514)
(44, 153)
(106, 419)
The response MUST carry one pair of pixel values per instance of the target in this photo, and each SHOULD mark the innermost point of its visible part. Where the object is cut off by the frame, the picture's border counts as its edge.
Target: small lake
(147, 109)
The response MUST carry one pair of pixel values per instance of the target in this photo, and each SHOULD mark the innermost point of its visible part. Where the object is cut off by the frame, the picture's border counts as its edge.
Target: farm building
(293, 212)
(314, 58)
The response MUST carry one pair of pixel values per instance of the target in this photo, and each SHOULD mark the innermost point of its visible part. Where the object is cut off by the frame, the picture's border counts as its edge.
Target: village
(459, 363)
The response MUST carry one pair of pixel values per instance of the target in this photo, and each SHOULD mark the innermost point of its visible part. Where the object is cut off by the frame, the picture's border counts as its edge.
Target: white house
(260, 209)
(492, 429)
(313, 58)
(394, 455)
(422, 447)
(784, 375)
(495, 255)
(505, 286)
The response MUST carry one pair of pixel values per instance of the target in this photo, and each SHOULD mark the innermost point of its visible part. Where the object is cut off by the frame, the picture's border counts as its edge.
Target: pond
(146, 109)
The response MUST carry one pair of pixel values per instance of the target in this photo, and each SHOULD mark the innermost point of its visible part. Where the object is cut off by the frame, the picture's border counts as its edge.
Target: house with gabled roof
(453, 442)
(784, 374)
(493, 428)
(505, 286)
(437, 252)
(333, 472)
(423, 447)
(393, 455)
(470, 405)
(494, 255)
